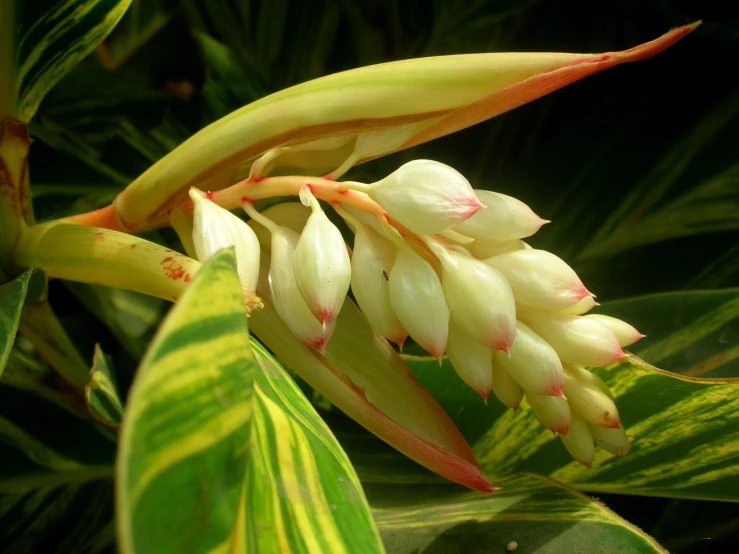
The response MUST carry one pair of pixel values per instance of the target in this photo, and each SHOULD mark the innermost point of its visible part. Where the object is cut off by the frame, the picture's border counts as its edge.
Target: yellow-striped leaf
(528, 514)
(12, 297)
(101, 393)
(212, 429)
(52, 37)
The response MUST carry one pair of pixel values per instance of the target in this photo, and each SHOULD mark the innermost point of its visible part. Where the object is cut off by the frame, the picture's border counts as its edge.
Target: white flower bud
(505, 387)
(578, 340)
(371, 263)
(588, 378)
(479, 299)
(505, 218)
(553, 412)
(483, 249)
(614, 441)
(472, 361)
(286, 296)
(540, 280)
(591, 403)
(579, 441)
(625, 333)
(533, 363)
(425, 196)
(292, 215)
(583, 306)
(215, 228)
(321, 263)
(418, 301)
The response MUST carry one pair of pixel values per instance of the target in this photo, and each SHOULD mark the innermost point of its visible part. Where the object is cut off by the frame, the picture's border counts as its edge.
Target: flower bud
(579, 441)
(418, 301)
(582, 307)
(577, 340)
(292, 215)
(588, 378)
(625, 333)
(286, 296)
(483, 249)
(591, 403)
(505, 387)
(479, 299)
(614, 441)
(533, 363)
(505, 218)
(425, 196)
(321, 263)
(215, 228)
(371, 263)
(472, 361)
(540, 280)
(553, 412)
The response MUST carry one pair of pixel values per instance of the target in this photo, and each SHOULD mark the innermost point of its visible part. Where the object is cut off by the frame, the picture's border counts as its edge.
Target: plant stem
(15, 200)
(105, 257)
(40, 325)
(8, 101)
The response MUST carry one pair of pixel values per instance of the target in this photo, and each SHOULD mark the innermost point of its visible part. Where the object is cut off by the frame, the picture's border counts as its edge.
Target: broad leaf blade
(54, 36)
(101, 393)
(12, 297)
(201, 434)
(537, 514)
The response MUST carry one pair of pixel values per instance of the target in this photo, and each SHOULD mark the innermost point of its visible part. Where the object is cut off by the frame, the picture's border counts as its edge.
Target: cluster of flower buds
(446, 265)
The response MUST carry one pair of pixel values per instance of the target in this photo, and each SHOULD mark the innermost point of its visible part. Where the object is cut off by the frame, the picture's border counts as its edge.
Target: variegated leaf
(12, 297)
(53, 36)
(528, 514)
(212, 428)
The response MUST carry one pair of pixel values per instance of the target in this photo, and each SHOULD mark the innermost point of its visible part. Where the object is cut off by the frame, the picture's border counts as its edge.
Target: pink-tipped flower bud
(582, 307)
(418, 301)
(425, 196)
(505, 387)
(321, 263)
(505, 218)
(578, 340)
(625, 333)
(372, 262)
(479, 299)
(540, 279)
(533, 363)
(286, 296)
(553, 412)
(579, 441)
(588, 378)
(591, 403)
(614, 441)
(484, 249)
(215, 228)
(472, 361)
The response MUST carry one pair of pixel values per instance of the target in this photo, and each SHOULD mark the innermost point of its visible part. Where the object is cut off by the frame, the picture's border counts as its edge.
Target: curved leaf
(431, 97)
(53, 36)
(101, 393)
(12, 298)
(213, 429)
(535, 513)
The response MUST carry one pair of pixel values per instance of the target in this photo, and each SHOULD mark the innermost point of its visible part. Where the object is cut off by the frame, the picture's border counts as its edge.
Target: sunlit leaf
(211, 427)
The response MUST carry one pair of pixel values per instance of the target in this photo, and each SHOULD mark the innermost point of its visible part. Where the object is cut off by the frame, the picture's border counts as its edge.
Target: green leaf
(535, 513)
(55, 486)
(694, 333)
(13, 295)
(54, 35)
(101, 393)
(212, 428)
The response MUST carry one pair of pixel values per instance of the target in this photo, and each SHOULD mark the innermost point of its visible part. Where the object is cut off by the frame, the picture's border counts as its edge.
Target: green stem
(40, 325)
(105, 257)
(15, 199)
(8, 101)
